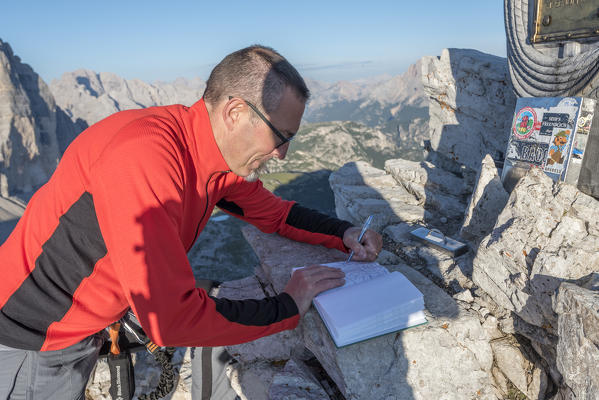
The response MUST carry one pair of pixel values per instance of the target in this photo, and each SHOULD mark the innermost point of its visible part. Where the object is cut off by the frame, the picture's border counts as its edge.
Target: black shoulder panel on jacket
(229, 206)
(45, 296)
(313, 221)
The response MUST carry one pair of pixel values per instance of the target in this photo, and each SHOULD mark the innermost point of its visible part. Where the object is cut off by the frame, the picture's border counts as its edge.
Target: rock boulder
(578, 329)
(471, 105)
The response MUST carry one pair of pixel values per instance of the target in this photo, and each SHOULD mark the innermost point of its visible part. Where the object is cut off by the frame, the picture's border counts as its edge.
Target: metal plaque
(565, 20)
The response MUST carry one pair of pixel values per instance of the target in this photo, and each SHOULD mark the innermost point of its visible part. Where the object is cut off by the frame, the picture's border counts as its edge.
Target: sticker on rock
(526, 120)
(552, 121)
(584, 123)
(530, 152)
(558, 152)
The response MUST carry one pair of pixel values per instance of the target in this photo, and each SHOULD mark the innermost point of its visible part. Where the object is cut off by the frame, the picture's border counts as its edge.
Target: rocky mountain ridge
(29, 126)
(329, 145)
(87, 96)
(371, 103)
(395, 106)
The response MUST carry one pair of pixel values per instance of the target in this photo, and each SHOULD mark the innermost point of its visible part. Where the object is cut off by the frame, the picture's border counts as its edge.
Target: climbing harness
(131, 339)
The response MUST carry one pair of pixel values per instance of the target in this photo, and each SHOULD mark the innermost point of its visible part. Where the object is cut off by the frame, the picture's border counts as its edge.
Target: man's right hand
(307, 282)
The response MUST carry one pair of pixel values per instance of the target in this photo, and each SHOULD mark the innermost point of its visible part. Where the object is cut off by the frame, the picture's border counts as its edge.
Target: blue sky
(325, 40)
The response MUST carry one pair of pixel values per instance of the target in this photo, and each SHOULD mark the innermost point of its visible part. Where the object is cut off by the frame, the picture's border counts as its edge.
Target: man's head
(248, 93)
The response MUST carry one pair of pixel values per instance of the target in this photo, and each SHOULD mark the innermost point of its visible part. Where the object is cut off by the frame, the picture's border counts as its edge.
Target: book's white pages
(372, 302)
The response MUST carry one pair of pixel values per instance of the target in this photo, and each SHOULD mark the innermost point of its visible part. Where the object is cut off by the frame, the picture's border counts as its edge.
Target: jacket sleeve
(251, 202)
(138, 186)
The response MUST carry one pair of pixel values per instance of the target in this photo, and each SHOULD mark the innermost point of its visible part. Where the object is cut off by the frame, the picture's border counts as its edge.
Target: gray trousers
(63, 374)
(38, 375)
(208, 378)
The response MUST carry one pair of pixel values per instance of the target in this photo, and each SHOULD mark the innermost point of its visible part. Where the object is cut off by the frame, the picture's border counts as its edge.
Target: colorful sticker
(553, 120)
(558, 152)
(530, 152)
(526, 119)
(584, 123)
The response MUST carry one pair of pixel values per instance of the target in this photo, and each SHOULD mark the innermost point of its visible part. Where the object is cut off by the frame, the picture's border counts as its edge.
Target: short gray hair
(257, 74)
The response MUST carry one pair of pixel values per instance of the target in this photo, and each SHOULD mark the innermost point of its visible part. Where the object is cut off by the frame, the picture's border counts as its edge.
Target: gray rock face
(28, 127)
(487, 200)
(252, 381)
(449, 357)
(436, 189)
(407, 195)
(88, 97)
(10, 212)
(296, 382)
(361, 190)
(547, 233)
(471, 105)
(278, 256)
(578, 346)
(425, 176)
(521, 372)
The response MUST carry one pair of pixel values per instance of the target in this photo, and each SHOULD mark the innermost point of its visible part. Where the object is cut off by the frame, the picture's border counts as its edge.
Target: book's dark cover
(560, 135)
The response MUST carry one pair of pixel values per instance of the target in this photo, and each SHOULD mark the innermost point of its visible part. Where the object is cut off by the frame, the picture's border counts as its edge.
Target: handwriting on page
(357, 272)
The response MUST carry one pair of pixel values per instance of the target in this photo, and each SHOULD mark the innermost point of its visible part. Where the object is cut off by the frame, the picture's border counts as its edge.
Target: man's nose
(281, 151)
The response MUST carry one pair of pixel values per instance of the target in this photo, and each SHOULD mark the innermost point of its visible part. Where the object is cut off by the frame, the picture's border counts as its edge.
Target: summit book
(372, 302)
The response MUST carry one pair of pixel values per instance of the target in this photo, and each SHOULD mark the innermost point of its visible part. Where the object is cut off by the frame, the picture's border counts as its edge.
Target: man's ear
(232, 112)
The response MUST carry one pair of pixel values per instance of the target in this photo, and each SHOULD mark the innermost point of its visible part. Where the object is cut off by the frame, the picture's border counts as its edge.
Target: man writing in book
(111, 231)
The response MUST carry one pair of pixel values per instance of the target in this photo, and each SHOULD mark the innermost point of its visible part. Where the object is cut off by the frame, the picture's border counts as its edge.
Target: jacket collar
(205, 152)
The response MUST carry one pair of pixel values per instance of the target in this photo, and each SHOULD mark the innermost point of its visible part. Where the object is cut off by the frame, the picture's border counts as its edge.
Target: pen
(364, 228)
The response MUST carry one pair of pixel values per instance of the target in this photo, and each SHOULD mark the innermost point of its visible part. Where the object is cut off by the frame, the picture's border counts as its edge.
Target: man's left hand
(370, 247)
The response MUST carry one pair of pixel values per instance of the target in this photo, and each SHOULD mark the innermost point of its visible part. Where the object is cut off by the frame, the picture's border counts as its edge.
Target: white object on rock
(465, 296)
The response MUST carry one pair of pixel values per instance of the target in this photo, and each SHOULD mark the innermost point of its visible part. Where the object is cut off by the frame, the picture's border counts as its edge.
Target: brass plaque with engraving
(565, 20)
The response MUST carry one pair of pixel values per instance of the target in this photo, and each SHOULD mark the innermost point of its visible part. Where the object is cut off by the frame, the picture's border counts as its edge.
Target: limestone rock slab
(296, 382)
(547, 233)
(252, 381)
(471, 105)
(487, 200)
(450, 272)
(11, 210)
(523, 373)
(578, 345)
(425, 176)
(362, 190)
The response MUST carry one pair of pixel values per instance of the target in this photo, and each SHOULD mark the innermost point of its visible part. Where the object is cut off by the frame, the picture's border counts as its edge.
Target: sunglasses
(280, 135)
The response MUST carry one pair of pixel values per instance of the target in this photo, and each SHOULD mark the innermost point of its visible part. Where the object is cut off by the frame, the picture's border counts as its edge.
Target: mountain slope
(329, 145)
(87, 96)
(29, 126)
(372, 103)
